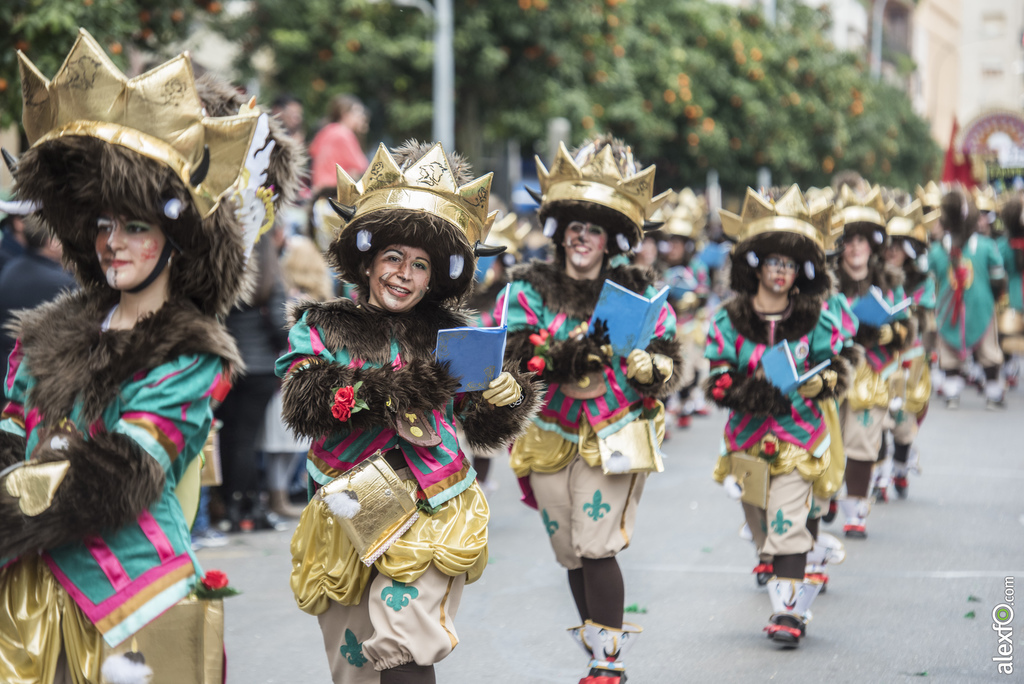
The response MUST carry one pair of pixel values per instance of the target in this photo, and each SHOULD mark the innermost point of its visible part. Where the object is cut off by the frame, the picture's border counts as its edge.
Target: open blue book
(631, 318)
(873, 310)
(780, 368)
(474, 354)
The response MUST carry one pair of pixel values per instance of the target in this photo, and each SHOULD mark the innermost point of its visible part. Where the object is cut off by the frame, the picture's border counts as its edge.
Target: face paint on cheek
(150, 250)
(112, 277)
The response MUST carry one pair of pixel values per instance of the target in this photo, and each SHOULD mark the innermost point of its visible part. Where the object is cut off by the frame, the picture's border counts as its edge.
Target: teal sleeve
(525, 308)
(305, 342)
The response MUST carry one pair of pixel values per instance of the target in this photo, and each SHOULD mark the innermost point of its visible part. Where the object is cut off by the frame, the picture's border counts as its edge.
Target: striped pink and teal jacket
(123, 579)
(607, 414)
(442, 471)
(879, 358)
(804, 426)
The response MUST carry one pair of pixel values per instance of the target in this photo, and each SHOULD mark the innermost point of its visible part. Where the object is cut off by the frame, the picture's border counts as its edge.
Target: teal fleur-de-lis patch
(597, 508)
(353, 650)
(780, 524)
(865, 418)
(815, 510)
(550, 525)
(398, 595)
(764, 527)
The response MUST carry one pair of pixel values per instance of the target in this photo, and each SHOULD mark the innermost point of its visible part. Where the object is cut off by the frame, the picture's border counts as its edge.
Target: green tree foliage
(45, 30)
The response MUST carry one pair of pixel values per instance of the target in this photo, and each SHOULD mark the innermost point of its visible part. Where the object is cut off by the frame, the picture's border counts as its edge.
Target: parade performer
(776, 447)
(360, 379)
(1011, 315)
(690, 284)
(865, 409)
(585, 458)
(157, 188)
(969, 277)
(911, 384)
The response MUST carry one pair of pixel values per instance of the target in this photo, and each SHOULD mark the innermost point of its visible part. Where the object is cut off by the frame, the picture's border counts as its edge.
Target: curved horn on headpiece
(199, 175)
(343, 210)
(10, 160)
(652, 225)
(537, 197)
(482, 250)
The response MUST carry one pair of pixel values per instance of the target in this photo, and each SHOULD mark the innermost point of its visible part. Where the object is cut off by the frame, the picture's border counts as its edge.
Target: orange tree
(45, 30)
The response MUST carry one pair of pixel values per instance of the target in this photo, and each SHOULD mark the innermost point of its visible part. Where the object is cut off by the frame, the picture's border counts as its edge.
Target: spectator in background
(12, 237)
(258, 328)
(33, 278)
(338, 142)
(289, 111)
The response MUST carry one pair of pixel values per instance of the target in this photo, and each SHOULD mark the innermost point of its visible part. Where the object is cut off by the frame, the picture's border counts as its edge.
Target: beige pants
(586, 513)
(782, 528)
(905, 429)
(986, 352)
(862, 431)
(393, 624)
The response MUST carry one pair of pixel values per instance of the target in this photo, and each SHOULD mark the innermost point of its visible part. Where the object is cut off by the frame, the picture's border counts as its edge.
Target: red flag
(953, 171)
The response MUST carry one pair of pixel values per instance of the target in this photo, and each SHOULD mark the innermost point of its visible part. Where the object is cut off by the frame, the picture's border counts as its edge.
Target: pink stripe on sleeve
(162, 424)
(108, 563)
(314, 341)
(531, 317)
(557, 323)
(13, 361)
(659, 329)
(155, 535)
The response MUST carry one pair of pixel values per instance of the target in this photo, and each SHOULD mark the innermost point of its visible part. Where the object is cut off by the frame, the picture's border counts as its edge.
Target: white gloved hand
(732, 487)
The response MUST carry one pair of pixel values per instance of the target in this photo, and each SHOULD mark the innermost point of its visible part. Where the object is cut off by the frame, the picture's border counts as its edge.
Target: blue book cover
(474, 354)
(780, 368)
(873, 310)
(630, 317)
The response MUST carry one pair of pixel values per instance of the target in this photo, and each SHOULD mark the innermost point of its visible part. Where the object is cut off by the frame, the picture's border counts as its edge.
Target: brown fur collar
(367, 332)
(803, 318)
(71, 358)
(577, 298)
(880, 274)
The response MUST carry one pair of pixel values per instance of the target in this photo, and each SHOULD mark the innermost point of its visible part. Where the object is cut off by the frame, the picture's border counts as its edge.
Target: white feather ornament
(343, 504)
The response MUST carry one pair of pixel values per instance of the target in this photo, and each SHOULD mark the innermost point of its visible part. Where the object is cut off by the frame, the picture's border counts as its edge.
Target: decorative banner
(994, 143)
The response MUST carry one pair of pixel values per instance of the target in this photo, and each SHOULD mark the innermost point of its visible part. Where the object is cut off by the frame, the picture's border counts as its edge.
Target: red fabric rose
(215, 579)
(724, 381)
(770, 448)
(650, 403)
(344, 400)
(537, 364)
(544, 334)
(536, 340)
(718, 393)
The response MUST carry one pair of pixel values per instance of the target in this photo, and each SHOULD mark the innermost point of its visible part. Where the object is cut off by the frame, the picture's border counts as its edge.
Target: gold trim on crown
(688, 216)
(598, 178)
(428, 184)
(985, 198)
(930, 195)
(790, 213)
(912, 222)
(510, 233)
(157, 114)
(869, 208)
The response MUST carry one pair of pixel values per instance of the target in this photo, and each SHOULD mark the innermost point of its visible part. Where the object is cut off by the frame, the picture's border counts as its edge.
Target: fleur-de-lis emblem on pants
(780, 524)
(597, 508)
(353, 650)
(398, 595)
(550, 525)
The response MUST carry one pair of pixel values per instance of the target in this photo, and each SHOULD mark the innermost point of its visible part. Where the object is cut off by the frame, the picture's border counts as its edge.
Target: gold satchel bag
(385, 512)
(633, 449)
(751, 473)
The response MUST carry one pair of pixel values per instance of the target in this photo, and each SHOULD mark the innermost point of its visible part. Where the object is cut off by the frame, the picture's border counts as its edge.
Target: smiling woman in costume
(587, 454)
(777, 450)
(157, 201)
(360, 379)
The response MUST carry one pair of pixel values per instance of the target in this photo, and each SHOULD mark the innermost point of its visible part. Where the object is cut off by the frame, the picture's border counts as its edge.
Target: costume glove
(640, 366)
(812, 387)
(504, 390)
(885, 334)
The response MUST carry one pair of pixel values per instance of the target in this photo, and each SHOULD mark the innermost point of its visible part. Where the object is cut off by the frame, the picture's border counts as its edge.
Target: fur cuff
(518, 348)
(490, 427)
(748, 394)
(12, 449)
(570, 360)
(109, 482)
(659, 387)
(900, 337)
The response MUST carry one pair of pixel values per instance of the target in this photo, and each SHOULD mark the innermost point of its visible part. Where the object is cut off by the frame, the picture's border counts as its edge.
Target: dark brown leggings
(790, 566)
(410, 673)
(858, 478)
(598, 591)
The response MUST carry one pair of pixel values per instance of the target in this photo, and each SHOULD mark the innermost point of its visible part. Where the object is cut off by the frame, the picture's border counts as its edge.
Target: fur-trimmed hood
(880, 274)
(71, 358)
(367, 331)
(812, 276)
(801, 319)
(577, 298)
(76, 179)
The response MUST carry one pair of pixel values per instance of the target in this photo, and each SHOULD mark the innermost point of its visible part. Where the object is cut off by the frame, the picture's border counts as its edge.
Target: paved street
(895, 610)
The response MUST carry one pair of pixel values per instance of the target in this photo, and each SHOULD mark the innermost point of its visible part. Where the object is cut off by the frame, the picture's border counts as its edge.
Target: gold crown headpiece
(869, 208)
(930, 195)
(911, 222)
(596, 176)
(689, 215)
(985, 199)
(507, 232)
(157, 114)
(790, 214)
(426, 184)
